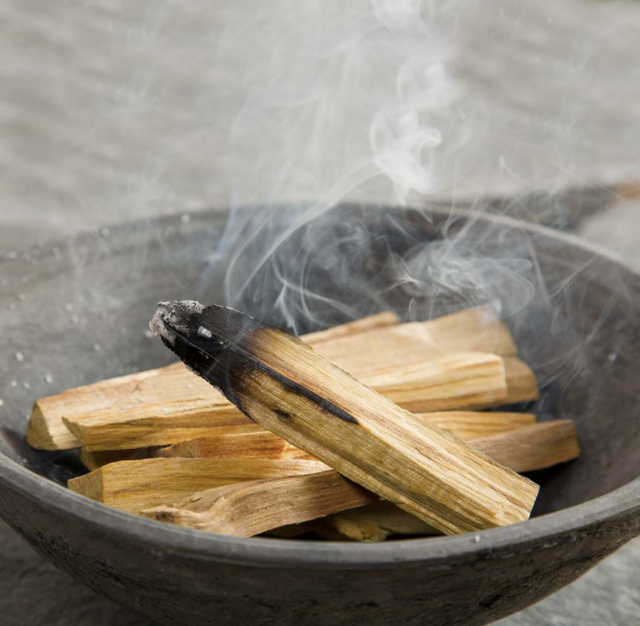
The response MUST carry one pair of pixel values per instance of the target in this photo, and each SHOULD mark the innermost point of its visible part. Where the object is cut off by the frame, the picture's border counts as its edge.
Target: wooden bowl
(77, 313)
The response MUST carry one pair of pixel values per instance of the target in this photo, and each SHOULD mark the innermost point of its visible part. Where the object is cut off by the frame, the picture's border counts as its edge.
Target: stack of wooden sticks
(166, 444)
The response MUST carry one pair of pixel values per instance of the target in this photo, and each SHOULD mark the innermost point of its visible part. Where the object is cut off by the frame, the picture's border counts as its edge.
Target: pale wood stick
(471, 330)
(46, 431)
(472, 425)
(264, 444)
(231, 511)
(136, 485)
(350, 329)
(157, 425)
(231, 445)
(448, 382)
(451, 381)
(525, 450)
(533, 447)
(287, 387)
(255, 507)
(371, 523)
(521, 382)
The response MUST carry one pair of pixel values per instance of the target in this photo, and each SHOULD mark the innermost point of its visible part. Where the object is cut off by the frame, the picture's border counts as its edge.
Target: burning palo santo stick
(264, 444)
(257, 507)
(46, 430)
(135, 485)
(448, 382)
(474, 329)
(284, 385)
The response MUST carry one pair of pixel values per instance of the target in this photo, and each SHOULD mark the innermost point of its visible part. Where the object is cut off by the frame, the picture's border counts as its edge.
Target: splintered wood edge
(48, 434)
(522, 382)
(214, 509)
(89, 485)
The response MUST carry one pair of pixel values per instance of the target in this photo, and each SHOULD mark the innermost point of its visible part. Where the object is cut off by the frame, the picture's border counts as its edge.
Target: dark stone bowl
(77, 313)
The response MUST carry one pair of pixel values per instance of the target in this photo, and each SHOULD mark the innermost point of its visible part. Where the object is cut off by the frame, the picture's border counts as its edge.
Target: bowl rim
(282, 553)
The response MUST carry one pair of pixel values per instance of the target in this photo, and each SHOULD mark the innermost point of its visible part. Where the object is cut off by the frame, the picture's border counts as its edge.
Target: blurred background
(112, 111)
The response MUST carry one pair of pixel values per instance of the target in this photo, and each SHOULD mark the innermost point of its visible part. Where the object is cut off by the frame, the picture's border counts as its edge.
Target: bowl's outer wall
(176, 586)
(583, 342)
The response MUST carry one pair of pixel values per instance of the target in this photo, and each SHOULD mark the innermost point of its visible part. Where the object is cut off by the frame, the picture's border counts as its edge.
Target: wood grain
(447, 382)
(376, 349)
(255, 507)
(135, 485)
(291, 390)
(46, 430)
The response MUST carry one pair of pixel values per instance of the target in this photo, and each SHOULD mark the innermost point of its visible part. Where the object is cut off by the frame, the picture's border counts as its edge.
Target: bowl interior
(77, 312)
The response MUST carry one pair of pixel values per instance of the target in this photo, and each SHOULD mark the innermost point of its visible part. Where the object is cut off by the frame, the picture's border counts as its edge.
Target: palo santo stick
(521, 382)
(350, 329)
(374, 522)
(264, 444)
(157, 425)
(533, 447)
(524, 450)
(46, 430)
(474, 329)
(255, 507)
(136, 485)
(283, 384)
(452, 381)
(448, 382)
(231, 445)
(471, 425)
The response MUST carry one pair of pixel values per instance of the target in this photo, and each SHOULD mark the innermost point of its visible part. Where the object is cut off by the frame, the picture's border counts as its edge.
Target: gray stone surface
(113, 110)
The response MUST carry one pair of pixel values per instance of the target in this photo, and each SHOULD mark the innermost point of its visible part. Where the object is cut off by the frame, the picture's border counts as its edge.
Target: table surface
(114, 110)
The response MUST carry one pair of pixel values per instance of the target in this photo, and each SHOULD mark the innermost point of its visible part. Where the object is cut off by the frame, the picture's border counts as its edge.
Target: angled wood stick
(231, 445)
(264, 444)
(528, 449)
(350, 329)
(373, 522)
(136, 485)
(255, 507)
(447, 382)
(472, 425)
(232, 510)
(475, 329)
(46, 430)
(533, 447)
(472, 330)
(452, 381)
(283, 384)
(521, 382)
(157, 425)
